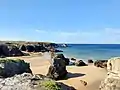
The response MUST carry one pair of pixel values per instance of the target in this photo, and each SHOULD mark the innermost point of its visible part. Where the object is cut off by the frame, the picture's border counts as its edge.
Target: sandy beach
(91, 74)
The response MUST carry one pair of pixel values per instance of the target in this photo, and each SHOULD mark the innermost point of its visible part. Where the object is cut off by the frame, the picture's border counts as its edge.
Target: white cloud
(106, 35)
(40, 31)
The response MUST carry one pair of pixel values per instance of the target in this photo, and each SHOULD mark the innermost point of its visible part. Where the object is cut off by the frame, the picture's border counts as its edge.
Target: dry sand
(91, 74)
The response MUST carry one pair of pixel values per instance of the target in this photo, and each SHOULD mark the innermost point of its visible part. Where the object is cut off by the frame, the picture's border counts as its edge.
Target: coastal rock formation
(30, 48)
(16, 75)
(9, 50)
(4, 50)
(10, 67)
(90, 61)
(22, 48)
(27, 81)
(101, 63)
(58, 68)
(112, 81)
(14, 51)
(61, 56)
(80, 63)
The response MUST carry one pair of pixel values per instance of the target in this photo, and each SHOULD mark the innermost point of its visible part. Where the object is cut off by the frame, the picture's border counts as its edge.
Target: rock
(80, 63)
(30, 48)
(73, 59)
(14, 51)
(22, 48)
(101, 63)
(112, 81)
(4, 50)
(58, 69)
(10, 67)
(58, 51)
(61, 56)
(90, 61)
(27, 81)
(40, 48)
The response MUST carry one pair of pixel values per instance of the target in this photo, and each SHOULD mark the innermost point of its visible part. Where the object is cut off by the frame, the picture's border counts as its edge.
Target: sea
(91, 51)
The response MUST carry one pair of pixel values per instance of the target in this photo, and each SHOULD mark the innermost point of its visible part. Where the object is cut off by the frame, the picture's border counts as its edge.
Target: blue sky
(61, 21)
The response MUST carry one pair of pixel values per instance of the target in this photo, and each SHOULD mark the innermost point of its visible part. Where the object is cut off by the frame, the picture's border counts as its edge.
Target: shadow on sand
(74, 75)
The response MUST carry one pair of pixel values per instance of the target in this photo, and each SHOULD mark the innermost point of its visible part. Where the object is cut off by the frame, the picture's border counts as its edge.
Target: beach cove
(91, 74)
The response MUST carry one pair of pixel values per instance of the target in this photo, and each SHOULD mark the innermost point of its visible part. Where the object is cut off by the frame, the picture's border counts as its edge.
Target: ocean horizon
(91, 51)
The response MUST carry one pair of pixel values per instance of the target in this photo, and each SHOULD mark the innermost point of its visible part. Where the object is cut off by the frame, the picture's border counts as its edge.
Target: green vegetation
(22, 62)
(50, 85)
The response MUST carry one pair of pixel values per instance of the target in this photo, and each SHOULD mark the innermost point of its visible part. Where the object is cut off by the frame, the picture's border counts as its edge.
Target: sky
(61, 21)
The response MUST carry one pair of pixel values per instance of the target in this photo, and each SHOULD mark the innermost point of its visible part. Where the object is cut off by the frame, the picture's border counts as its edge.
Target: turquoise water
(92, 51)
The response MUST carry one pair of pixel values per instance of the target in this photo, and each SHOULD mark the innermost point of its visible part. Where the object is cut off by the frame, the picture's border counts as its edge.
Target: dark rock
(90, 61)
(30, 48)
(4, 50)
(14, 51)
(40, 48)
(61, 56)
(80, 63)
(58, 69)
(22, 48)
(101, 63)
(58, 51)
(73, 59)
(10, 67)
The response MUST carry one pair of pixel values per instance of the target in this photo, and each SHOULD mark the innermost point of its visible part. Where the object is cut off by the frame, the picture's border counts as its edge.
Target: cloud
(40, 31)
(105, 35)
(112, 30)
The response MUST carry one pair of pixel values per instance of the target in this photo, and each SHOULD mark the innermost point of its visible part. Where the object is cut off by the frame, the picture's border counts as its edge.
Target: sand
(91, 74)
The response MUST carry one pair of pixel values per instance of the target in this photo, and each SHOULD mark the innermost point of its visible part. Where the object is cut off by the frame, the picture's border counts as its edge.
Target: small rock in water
(90, 61)
(80, 63)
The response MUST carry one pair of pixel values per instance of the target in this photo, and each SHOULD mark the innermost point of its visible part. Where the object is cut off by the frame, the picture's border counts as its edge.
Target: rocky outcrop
(112, 81)
(22, 48)
(16, 75)
(101, 63)
(58, 68)
(14, 51)
(27, 81)
(9, 50)
(61, 56)
(80, 63)
(10, 67)
(4, 50)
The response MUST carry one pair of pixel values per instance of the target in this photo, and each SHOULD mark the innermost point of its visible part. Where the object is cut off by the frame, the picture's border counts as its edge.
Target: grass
(50, 85)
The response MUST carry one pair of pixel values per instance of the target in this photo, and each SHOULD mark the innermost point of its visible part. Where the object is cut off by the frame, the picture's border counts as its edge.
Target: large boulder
(27, 81)
(4, 50)
(58, 69)
(112, 81)
(101, 63)
(80, 63)
(14, 51)
(61, 56)
(10, 67)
